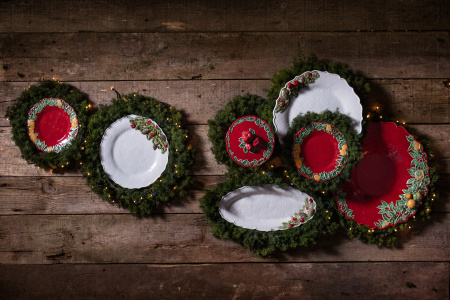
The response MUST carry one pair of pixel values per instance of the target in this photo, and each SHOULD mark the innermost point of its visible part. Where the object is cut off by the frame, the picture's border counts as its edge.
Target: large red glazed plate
(388, 185)
(52, 125)
(319, 151)
(246, 151)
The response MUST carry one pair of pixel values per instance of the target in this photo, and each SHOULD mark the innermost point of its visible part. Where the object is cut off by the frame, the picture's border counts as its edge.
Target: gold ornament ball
(411, 203)
(408, 196)
(418, 196)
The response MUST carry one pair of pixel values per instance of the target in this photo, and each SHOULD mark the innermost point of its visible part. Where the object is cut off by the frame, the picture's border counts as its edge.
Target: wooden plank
(205, 163)
(155, 56)
(412, 101)
(186, 238)
(71, 195)
(228, 281)
(13, 165)
(202, 15)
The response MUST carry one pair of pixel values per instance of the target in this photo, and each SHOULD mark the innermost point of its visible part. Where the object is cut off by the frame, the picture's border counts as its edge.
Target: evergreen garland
(18, 114)
(261, 242)
(238, 107)
(175, 179)
(343, 124)
(327, 215)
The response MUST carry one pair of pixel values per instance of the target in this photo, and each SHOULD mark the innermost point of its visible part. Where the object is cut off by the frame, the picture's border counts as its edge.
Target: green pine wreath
(236, 108)
(174, 180)
(353, 140)
(262, 242)
(18, 114)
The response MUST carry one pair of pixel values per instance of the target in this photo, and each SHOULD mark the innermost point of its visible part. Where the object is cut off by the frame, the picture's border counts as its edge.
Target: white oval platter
(264, 208)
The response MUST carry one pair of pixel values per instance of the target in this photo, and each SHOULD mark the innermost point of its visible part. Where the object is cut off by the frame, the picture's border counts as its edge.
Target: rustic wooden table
(59, 240)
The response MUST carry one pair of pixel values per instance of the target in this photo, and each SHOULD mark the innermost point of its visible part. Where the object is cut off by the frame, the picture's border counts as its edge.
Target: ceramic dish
(388, 185)
(128, 157)
(319, 151)
(267, 208)
(327, 91)
(250, 141)
(52, 125)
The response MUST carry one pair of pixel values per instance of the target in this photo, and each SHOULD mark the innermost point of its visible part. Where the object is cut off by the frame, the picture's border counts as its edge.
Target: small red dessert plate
(250, 141)
(52, 125)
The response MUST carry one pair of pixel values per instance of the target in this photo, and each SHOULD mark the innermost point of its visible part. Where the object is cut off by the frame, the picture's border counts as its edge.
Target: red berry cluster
(294, 84)
(251, 141)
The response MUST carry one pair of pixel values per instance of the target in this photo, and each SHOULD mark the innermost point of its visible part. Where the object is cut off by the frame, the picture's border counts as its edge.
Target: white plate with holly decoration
(267, 208)
(315, 91)
(134, 151)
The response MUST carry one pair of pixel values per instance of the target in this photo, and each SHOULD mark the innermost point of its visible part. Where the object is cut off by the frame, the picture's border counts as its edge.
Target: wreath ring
(173, 181)
(238, 107)
(18, 115)
(265, 242)
(351, 139)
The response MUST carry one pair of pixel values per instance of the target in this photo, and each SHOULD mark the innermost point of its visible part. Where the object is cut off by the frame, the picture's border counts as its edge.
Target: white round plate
(329, 91)
(264, 208)
(128, 157)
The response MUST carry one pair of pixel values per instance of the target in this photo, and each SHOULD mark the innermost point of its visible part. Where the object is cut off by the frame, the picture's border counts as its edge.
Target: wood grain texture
(186, 238)
(205, 163)
(59, 240)
(229, 281)
(71, 195)
(235, 15)
(160, 56)
(412, 101)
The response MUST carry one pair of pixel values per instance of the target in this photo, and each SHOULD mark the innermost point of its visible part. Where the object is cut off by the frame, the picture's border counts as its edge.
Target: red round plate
(52, 125)
(387, 186)
(253, 149)
(319, 151)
